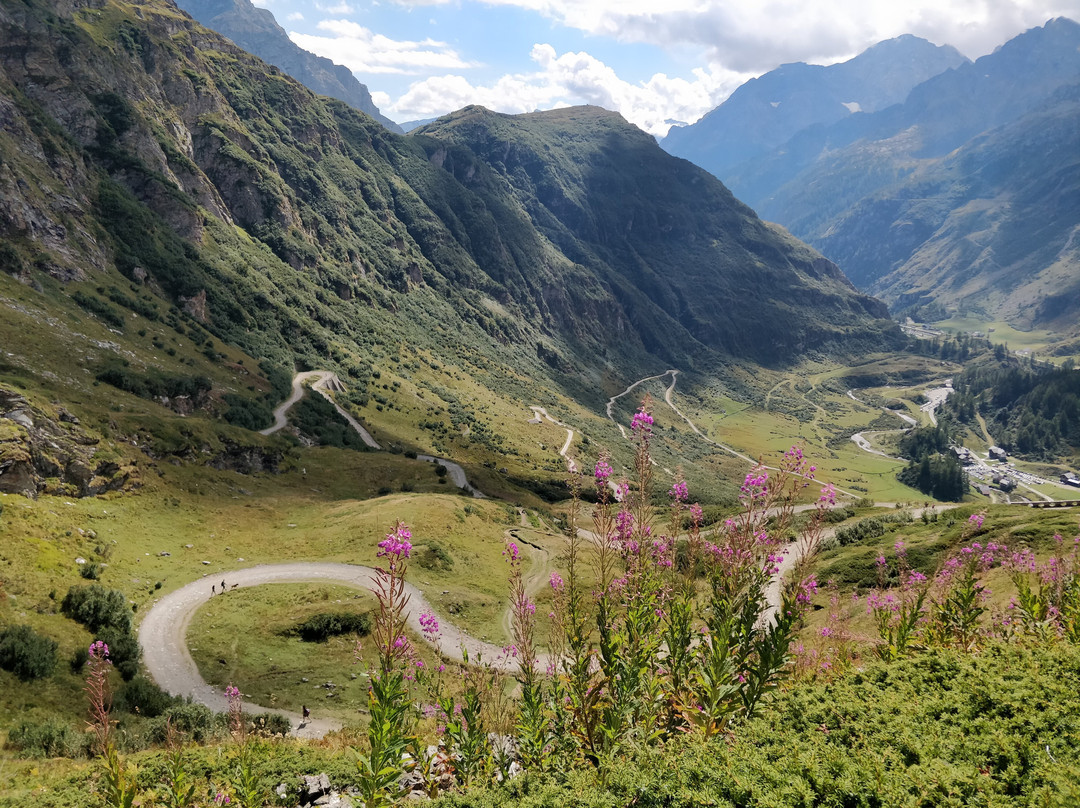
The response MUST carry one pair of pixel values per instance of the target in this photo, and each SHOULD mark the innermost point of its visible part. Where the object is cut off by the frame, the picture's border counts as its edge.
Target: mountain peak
(765, 112)
(257, 31)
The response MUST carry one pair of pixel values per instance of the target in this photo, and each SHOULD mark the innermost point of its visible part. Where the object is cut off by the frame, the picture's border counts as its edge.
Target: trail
(936, 395)
(327, 380)
(456, 474)
(793, 553)
(324, 380)
(163, 633)
(667, 399)
(613, 399)
(538, 574)
(539, 412)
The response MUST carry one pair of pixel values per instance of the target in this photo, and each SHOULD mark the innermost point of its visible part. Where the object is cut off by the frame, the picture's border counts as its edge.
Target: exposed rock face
(45, 453)
(256, 31)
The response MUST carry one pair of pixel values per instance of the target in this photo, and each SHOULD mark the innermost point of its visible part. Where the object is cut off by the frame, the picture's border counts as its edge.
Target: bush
(90, 571)
(435, 557)
(193, 720)
(79, 657)
(49, 738)
(124, 650)
(271, 723)
(143, 697)
(106, 615)
(26, 653)
(320, 627)
(96, 607)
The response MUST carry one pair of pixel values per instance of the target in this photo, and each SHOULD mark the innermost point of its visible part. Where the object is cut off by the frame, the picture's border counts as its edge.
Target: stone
(165, 554)
(314, 787)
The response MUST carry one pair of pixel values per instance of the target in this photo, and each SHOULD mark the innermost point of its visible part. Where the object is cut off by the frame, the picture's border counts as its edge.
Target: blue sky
(655, 61)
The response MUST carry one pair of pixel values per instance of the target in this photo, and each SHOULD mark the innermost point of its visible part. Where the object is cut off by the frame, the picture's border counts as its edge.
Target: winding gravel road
(324, 379)
(163, 633)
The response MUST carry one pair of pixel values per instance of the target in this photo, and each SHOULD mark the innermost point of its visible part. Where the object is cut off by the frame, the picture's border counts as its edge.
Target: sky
(654, 61)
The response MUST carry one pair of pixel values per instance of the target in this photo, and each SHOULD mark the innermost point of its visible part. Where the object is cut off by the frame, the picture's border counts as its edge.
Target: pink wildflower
(642, 422)
(602, 472)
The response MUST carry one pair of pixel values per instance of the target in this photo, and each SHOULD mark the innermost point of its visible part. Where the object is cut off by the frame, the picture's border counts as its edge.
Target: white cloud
(295, 16)
(341, 9)
(757, 36)
(364, 52)
(572, 78)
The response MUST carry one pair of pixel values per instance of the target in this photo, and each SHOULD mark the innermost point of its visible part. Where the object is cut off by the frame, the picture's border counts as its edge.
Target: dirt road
(163, 633)
(324, 380)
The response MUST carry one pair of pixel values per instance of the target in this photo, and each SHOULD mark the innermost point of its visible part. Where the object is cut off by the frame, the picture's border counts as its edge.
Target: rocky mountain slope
(964, 195)
(766, 112)
(257, 31)
(189, 225)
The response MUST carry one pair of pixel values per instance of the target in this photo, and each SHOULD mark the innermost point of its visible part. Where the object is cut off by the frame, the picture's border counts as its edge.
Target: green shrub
(320, 627)
(26, 653)
(143, 697)
(79, 657)
(194, 721)
(106, 615)
(49, 738)
(271, 723)
(435, 557)
(96, 607)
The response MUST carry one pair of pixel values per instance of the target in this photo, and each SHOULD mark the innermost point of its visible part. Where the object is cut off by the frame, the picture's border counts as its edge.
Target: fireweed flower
(99, 650)
(557, 582)
(755, 486)
(976, 520)
(396, 545)
(828, 495)
(429, 625)
(807, 589)
(642, 422)
(680, 492)
(602, 472)
(511, 552)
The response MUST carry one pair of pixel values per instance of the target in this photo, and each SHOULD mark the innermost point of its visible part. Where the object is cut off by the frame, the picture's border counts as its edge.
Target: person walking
(222, 584)
(213, 590)
(305, 712)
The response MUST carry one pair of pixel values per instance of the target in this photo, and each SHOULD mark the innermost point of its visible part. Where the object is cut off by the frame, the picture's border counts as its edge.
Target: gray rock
(21, 417)
(314, 786)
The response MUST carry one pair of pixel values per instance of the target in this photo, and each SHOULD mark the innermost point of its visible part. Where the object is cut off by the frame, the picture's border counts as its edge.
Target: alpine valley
(249, 329)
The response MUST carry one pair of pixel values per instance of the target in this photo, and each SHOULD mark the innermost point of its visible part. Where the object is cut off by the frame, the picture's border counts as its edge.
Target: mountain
(992, 228)
(673, 246)
(767, 111)
(184, 226)
(962, 198)
(256, 31)
(973, 175)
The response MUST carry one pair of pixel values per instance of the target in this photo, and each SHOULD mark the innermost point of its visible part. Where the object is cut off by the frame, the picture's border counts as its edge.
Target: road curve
(323, 379)
(163, 633)
(540, 412)
(456, 474)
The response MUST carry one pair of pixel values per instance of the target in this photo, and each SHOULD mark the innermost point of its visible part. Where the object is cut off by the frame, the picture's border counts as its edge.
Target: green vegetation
(321, 627)
(106, 615)
(26, 653)
(1033, 411)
